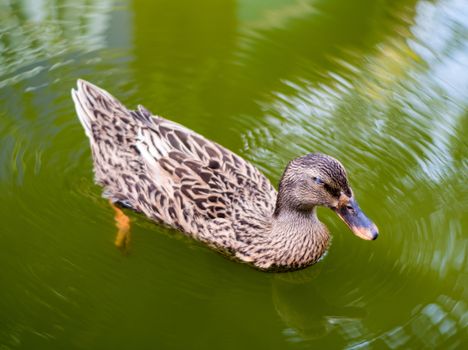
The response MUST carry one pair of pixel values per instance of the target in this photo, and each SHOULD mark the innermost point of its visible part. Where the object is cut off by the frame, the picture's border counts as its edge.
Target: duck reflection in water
(305, 312)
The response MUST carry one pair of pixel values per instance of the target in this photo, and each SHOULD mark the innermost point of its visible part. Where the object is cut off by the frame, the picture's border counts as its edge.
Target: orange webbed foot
(122, 222)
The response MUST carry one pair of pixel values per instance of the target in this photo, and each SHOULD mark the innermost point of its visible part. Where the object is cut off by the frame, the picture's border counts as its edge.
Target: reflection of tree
(226, 66)
(187, 44)
(306, 47)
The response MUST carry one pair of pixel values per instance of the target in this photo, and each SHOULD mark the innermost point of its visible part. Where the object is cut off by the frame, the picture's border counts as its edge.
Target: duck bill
(359, 223)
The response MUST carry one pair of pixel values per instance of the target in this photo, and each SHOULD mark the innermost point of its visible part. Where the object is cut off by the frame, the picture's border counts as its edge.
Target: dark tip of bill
(375, 234)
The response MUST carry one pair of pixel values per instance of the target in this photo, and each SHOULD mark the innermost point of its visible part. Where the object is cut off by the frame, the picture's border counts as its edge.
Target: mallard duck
(179, 178)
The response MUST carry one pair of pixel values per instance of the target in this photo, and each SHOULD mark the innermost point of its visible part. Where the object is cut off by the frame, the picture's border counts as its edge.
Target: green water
(380, 85)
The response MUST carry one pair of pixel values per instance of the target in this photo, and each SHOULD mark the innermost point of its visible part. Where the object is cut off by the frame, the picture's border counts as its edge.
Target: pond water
(380, 85)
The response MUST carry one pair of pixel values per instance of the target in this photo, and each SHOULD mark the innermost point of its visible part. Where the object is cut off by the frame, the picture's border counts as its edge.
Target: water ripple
(387, 98)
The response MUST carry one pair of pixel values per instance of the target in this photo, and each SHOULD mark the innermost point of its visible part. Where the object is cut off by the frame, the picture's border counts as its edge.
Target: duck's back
(172, 174)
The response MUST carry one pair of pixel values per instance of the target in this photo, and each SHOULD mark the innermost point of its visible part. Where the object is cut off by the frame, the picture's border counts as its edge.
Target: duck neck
(299, 238)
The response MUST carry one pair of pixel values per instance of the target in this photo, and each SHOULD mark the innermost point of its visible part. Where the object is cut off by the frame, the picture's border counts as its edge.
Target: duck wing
(170, 173)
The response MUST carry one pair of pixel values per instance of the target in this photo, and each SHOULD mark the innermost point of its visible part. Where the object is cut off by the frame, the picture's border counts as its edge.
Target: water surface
(380, 85)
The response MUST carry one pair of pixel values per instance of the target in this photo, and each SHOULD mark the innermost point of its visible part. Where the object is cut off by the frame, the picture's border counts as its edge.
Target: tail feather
(92, 103)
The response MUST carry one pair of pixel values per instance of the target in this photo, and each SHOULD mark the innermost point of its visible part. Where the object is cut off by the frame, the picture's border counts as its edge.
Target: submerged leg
(122, 222)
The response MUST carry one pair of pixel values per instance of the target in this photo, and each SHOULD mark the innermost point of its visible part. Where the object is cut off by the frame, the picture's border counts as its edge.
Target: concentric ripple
(381, 86)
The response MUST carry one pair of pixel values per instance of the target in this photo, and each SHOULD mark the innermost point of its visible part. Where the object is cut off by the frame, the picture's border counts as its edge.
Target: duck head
(320, 180)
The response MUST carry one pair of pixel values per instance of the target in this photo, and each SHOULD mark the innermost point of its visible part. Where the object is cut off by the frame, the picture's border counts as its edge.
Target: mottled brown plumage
(177, 177)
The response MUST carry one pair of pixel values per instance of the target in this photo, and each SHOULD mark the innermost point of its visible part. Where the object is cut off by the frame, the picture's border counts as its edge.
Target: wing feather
(171, 173)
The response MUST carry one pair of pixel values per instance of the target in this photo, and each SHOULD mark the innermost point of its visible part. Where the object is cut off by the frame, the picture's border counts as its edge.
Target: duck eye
(317, 180)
